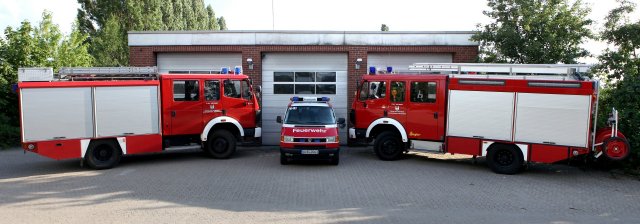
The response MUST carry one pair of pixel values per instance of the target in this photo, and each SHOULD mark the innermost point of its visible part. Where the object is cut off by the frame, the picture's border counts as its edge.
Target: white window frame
(315, 91)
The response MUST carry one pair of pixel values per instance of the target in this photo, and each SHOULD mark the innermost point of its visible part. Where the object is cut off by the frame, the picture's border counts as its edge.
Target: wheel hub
(103, 153)
(504, 158)
(616, 149)
(389, 147)
(220, 145)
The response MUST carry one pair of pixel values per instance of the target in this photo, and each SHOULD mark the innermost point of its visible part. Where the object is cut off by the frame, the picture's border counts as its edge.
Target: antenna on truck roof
(506, 71)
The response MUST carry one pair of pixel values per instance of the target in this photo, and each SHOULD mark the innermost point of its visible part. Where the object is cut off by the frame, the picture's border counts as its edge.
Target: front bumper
(296, 153)
(253, 132)
(357, 133)
(252, 136)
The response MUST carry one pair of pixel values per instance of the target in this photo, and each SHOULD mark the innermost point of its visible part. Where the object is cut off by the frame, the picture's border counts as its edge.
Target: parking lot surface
(252, 187)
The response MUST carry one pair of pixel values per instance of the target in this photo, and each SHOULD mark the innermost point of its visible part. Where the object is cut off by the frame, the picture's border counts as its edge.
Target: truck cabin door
(396, 108)
(212, 106)
(425, 112)
(372, 102)
(238, 101)
(186, 107)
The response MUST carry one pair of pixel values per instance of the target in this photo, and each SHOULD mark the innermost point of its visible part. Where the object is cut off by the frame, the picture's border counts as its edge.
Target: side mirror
(279, 119)
(341, 123)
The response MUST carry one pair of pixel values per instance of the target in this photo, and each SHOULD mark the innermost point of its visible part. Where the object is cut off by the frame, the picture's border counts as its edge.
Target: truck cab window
(246, 90)
(186, 90)
(397, 92)
(363, 91)
(377, 90)
(211, 90)
(232, 88)
(423, 92)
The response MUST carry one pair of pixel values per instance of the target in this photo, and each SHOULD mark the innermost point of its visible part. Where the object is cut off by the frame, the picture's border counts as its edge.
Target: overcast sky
(351, 15)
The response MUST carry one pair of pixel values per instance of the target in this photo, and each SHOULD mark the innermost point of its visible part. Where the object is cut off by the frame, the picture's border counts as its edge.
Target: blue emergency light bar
(373, 70)
(310, 99)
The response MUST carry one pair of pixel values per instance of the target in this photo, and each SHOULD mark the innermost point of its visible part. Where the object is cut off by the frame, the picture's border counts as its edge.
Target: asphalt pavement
(252, 187)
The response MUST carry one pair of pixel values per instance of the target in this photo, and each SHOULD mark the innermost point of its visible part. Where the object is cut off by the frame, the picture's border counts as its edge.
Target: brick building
(303, 63)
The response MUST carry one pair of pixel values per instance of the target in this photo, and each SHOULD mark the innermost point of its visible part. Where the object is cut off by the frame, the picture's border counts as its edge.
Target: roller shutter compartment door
(197, 62)
(285, 75)
(400, 62)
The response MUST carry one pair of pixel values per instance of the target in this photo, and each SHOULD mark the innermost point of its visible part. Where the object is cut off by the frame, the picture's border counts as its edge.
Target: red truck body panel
(427, 121)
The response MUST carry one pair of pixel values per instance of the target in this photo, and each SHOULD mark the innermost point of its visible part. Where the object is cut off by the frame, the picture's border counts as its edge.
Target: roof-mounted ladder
(514, 71)
(108, 73)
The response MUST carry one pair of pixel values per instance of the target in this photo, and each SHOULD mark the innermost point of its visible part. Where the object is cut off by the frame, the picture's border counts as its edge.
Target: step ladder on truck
(512, 114)
(101, 114)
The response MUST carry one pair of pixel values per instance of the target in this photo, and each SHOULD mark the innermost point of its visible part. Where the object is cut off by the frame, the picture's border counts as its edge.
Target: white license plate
(309, 152)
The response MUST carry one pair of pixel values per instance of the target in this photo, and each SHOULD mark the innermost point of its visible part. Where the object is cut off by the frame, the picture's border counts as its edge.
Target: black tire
(221, 144)
(505, 159)
(388, 146)
(284, 160)
(335, 160)
(103, 154)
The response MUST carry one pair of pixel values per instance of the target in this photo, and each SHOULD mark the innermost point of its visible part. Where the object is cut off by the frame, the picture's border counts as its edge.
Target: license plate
(309, 152)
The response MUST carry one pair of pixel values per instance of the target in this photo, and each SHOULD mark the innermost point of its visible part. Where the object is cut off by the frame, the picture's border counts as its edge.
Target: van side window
(211, 90)
(423, 92)
(186, 90)
(397, 92)
(232, 88)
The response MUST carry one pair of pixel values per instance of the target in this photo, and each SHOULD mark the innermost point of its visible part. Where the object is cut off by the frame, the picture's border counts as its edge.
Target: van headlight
(287, 138)
(333, 139)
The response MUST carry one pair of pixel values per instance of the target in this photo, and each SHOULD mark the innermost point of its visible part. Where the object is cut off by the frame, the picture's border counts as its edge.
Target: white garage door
(202, 63)
(301, 74)
(401, 62)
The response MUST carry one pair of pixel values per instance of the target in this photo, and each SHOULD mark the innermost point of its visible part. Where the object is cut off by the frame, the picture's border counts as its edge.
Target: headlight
(287, 138)
(333, 139)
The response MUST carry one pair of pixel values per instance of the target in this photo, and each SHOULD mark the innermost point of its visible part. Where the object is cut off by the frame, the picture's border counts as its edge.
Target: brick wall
(146, 56)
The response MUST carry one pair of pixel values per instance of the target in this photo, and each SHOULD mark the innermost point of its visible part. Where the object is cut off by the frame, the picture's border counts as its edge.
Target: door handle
(435, 115)
(244, 103)
(364, 104)
(173, 113)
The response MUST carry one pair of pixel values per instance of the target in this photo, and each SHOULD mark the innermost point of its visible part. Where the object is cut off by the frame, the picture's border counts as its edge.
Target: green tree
(213, 21)
(109, 48)
(222, 23)
(384, 27)
(107, 22)
(619, 67)
(28, 46)
(541, 32)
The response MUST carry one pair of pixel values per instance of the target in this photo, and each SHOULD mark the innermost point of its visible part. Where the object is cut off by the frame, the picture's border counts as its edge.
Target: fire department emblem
(397, 108)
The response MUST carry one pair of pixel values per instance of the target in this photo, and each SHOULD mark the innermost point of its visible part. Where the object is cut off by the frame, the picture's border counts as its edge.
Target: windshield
(310, 115)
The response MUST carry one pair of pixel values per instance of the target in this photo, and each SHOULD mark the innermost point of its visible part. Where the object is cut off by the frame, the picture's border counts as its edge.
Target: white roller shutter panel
(479, 114)
(197, 62)
(127, 110)
(557, 118)
(56, 113)
(275, 104)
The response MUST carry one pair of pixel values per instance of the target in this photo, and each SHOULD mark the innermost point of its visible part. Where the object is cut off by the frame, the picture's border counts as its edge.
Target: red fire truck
(100, 114)
(511, 114)
(310, 131)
